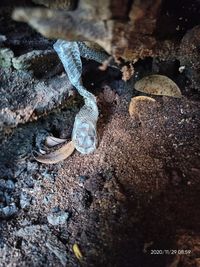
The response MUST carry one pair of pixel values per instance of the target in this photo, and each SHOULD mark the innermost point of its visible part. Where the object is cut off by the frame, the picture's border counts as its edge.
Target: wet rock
(25, 200)
(58, 217)
(6, 56)
(58, 248)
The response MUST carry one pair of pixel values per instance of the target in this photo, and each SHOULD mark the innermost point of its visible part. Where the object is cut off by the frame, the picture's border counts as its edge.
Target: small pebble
(47, 199)
(58, 218)
(25, 200)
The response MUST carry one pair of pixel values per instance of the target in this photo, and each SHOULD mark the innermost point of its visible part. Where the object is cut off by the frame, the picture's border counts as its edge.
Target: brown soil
(134, 195)
(134, 202)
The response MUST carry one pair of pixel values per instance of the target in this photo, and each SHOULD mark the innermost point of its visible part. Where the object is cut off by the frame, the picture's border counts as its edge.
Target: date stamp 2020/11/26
(170, 251)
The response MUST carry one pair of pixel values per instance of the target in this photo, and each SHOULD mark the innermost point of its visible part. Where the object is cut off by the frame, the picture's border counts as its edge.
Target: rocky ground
(134, 202)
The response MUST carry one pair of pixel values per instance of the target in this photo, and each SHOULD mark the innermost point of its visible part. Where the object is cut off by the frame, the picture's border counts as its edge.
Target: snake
(84, 134)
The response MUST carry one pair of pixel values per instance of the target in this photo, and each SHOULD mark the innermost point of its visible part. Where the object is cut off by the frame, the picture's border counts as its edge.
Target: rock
(7, 208)
(6, 56)
(8, 211)
(125, 29)
(58, 248)
(65, 4)
(37, 61)
(2, 38)
(8, 198)
(24, 99)
(103, 22)
(25, 200)
(58, 218)
(7, 185)
(33, 231)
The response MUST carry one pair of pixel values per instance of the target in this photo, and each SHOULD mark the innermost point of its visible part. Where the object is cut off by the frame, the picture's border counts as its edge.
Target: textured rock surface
(6, 56)
(66, 4)
(24, 99)
(37, 62)
(128, 29)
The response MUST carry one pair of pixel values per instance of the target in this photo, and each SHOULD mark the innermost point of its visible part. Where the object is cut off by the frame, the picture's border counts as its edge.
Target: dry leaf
(77, 252)
(137, 103)
(54, 157)
(158, 85)
(52, 141)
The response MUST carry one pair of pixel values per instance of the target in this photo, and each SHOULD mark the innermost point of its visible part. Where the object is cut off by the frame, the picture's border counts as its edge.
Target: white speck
(181, 69)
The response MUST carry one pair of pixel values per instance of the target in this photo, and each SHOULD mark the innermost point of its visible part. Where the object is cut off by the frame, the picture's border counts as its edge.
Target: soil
(134, 202)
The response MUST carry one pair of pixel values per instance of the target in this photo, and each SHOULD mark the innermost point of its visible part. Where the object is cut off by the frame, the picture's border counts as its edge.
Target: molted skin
(84, 134)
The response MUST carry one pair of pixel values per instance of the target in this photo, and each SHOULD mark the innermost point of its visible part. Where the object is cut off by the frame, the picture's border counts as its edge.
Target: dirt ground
(137, 196)
(133, 202)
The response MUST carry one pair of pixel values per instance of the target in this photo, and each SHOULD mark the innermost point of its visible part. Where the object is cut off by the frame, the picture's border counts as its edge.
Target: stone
(36, 61)
(25, 200)
(38, 98)
(58, 218)
(8, 211)
(65, 4)
(58, 248)
(6, 56)
(7, 184)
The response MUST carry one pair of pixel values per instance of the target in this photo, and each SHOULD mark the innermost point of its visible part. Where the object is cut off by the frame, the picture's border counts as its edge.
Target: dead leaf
(52, 141)
(54, 157)
(158, 85)
(137, 103)
(77, 252)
